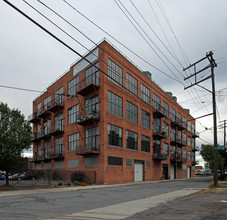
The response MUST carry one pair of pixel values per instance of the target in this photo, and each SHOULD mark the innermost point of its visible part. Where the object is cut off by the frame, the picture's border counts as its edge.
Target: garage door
(171, 171)
(189, 172)
(138, 172)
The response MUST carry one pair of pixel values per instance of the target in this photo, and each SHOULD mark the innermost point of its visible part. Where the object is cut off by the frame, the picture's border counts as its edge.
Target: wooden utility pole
(211, 65)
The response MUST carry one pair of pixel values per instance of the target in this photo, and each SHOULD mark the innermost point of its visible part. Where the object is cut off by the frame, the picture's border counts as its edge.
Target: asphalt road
(52, 204)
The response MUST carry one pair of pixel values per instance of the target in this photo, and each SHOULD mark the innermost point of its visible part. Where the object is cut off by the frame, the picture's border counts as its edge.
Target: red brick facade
(153, 166)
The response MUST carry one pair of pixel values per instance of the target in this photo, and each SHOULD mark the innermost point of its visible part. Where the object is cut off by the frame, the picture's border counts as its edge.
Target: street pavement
(116, 201)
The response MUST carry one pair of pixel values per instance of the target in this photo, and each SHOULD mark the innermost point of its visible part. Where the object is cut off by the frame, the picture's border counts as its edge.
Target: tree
(15, 136)
(207, 152)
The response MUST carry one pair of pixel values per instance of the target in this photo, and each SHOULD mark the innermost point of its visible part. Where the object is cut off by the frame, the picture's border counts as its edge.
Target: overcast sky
(31, 59)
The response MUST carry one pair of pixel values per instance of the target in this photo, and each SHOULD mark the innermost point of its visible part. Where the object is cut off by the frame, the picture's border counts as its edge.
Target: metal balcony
(176, 141)
(33, 118)
(195, 148)
(195, 134)
(159, 134)
(177, 123)
(43, 113)
(83, 150)
(89, 84)
(159, 156)
(37, 136)
(58, 155)
(173, 156)
(158, 110)
(56, 105)
(86, 119)
(46, 133)
(57, 130)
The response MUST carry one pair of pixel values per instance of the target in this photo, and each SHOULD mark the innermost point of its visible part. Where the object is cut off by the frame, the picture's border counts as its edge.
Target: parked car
(21, 176)
(3, 176)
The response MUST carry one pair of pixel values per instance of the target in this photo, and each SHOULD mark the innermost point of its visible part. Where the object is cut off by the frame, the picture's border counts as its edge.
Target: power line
(148, 38)
(23, 89)
(119, 41)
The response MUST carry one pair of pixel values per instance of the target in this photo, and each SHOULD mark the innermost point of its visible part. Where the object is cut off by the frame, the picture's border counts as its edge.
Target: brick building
(113, 120)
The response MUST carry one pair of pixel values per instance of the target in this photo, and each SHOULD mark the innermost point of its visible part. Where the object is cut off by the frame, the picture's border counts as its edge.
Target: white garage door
(171, 171)
(189, 172)
(138, 172)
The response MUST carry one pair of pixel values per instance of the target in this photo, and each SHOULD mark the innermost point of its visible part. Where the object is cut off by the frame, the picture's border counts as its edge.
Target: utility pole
(224, 121)
(211, 65)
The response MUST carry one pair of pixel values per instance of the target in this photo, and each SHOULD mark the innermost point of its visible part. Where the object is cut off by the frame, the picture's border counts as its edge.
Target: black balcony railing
(158, 110)
(175, 140)
(37, 136)
(159, 156)
(89, 84)
(87, 118)
(173, 156)
(83, 150)
(58, 154)
(33, 118)
(159, 133)
(56, 104)
(43, 112)
(195, 134)
(177, 122)
(57, 130)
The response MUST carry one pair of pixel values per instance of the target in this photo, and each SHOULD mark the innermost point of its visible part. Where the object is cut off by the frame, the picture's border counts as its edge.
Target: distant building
(117, 123)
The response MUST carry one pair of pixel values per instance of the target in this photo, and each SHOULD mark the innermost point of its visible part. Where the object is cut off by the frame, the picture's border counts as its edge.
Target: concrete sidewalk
(126, 209)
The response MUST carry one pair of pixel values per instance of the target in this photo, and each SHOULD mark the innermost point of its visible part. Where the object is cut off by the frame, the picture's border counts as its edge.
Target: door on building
(165, 171)
(138, 171)
(172, 172)
(189, 172)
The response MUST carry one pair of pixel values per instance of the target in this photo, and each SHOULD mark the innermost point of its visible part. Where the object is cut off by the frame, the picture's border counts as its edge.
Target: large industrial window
(165, 149)
(39, 108)
(114, 104)
(189, 141)
(145, 143)
(189, 126)
(59, 146)
(131, 112)
(145, 94)
(73, 142)
(73, 114)
(59, 96)
(184, 139)
(39, 150)
(165, 128)
(157, 124)
(165, 107)
(156, 102)
(145, 119)
(156, 147)
(173, 133)
(58, 122)
(132, 140)
(92, 106)
(115, 73)
(173, 114)
(179, 155)
(47, 103)
(115, 161)
(47, 150)
(73, 86)
(131, 84)
(114, 135)
(185, 122)
(47, 127)
(92, 138)
(184, 155)
(179, 118)
(173, 151)
(92, 75)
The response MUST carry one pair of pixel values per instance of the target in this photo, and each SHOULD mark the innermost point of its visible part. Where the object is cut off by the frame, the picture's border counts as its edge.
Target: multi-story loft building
(111, 118)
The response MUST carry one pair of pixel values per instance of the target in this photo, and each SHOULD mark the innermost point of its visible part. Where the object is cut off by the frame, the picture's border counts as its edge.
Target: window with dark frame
(92, 75)
(132, 140)
(165, 107)
(145, 119)
(115, 73)
(91, 105)
(165, 128)
(131, 84)
(145, 143)
(131, 112)
(58, 146)
(115, 104)
(184, 155)
(47, 149)
(73, 142)
(73, 86)
(173, 114)
(92, 138)
(189, 155)
(58, 122)
(145, 94)
(59, 96)
(114, 135)
(165, 149)
(73, 114)
(156, 102)
(156, 147)
(115, 161)
(157, 124)
(47, 103)
(47, 127)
